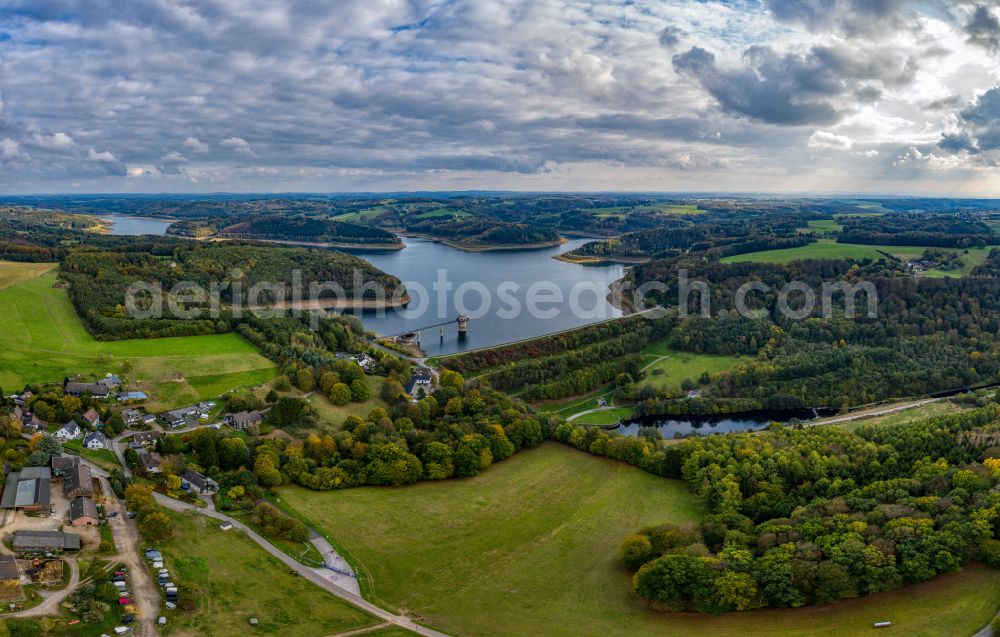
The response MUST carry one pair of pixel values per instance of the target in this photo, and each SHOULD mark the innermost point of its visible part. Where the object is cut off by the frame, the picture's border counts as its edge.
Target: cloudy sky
(879, 96)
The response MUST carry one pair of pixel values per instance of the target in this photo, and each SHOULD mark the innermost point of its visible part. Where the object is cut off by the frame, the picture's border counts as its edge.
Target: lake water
(126, 225)
(527, 294)
(670, 427)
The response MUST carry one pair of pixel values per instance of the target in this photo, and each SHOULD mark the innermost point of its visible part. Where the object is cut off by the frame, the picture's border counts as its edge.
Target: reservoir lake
(495, 289)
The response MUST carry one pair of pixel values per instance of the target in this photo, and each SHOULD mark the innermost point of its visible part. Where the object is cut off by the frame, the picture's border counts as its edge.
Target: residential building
(420, 378)
(197, 482)
(150, 460)
(95, 440)
(132, 416)
(245, 420)
(92, 418)
(110, 381)
(69, 431)
(146, 438)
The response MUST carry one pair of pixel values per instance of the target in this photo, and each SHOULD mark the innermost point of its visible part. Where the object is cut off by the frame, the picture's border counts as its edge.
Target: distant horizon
(451, 193)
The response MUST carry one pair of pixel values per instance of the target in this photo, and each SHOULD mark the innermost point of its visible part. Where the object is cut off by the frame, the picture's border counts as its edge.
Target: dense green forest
(716, 237)
(940, 231)
(458, 432)
(307, 229)
(483, 232)
(243, 274)
(817, 515)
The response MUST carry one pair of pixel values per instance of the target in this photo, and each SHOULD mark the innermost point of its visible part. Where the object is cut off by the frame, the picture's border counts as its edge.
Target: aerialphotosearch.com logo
(584, 300)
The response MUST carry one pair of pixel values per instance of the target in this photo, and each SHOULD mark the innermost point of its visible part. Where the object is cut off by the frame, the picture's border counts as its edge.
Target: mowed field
(231, 580)
(43, 340)
(829, 249)
(530, 548)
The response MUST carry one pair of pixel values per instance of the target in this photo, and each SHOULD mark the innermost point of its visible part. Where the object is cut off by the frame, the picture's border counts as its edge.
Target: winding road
(303, 570)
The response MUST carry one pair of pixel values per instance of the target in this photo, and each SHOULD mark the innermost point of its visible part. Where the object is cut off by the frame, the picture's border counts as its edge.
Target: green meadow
(529, 547)
(830, 249)
(231, 580)
(43, 340)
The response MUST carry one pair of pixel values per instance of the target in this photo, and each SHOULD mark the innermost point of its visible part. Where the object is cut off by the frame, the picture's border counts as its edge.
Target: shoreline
(336, 304)
(567, 257)
(465, 247)
(379, 247)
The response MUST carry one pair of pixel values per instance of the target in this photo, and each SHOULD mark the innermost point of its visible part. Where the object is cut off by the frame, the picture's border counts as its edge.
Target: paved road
(338, 571)
(305, 571)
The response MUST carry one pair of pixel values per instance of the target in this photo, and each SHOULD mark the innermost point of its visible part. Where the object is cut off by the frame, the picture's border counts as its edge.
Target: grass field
(528, 548)
(12, 272)
(439, 213)
(825, 225)
(665, 367)
(43, 340)
(661, 208)
(829, 249)
(605, 417)
(333, 416)
(231, 579)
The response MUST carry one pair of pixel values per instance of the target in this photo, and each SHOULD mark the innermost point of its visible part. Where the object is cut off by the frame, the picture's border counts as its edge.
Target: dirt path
(362, 631)
(50, 605)
(145, 594)
(874, 413)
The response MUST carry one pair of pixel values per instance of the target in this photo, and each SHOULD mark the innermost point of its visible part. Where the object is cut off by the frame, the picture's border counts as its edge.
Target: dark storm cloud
(816, 87)
(983, 28)
(980, 128)
(671, 36)
(850, 16)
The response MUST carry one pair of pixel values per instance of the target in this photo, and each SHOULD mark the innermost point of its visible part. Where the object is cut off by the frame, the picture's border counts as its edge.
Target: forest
(817, 515)
(241, 274)
(482, 232)
(307, 229)
(939, 231)
(458, 432)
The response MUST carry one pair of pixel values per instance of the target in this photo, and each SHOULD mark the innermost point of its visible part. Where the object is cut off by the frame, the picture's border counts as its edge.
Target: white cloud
(11, 151)
(239, 145)
(824, 139)
(104, 157)
(57, 142)
(195, 145)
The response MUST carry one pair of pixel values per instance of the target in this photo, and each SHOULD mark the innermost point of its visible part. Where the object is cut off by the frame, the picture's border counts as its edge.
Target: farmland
(43, 340)
(529, 547)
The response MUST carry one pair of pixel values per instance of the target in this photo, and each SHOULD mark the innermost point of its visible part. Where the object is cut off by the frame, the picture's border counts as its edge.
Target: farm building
(45, 541)
(28, 490)
(83, 512)
(97, 390)
(79, 482)
(9, 573)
